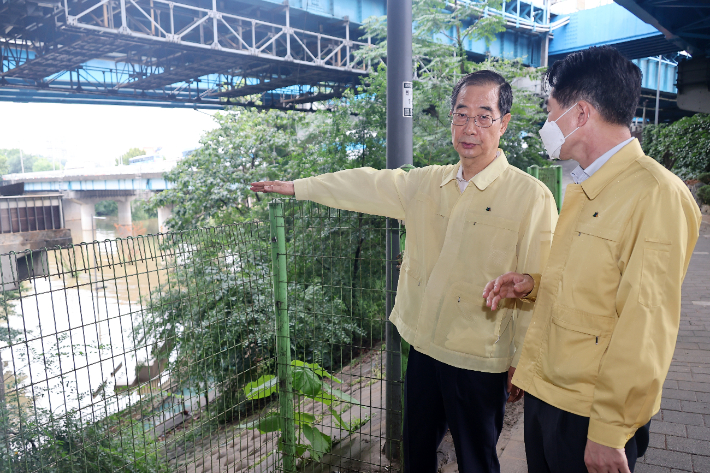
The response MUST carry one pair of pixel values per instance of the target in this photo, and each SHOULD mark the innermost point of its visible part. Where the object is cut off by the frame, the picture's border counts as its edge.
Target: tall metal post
(399, 152)
(658, 89)
(283, 337)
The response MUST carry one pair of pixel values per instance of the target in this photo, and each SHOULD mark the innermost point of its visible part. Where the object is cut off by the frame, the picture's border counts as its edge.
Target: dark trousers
(555, 439)
(438, 396)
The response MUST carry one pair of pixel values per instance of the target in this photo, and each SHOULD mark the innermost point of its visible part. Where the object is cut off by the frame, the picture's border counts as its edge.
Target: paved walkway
(680, 432)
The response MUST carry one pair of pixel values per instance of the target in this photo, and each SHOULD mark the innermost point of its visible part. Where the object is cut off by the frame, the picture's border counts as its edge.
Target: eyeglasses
(481, 121)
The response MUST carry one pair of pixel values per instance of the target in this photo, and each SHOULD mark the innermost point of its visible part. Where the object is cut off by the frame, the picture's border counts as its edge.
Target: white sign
(407, 99)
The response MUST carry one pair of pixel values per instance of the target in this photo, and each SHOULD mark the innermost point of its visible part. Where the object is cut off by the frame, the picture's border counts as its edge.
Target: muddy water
(78, 325)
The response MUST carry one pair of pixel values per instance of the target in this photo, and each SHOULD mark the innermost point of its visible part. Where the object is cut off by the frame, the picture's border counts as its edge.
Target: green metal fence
(552, 177)
(253, 347)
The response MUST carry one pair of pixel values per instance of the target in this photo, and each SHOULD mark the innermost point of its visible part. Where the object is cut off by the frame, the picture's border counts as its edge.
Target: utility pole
(399, 152)
(658, 89)
(22, 162)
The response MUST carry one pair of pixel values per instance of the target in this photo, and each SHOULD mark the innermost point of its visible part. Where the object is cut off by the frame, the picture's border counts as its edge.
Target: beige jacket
(607, 313)
(456, 243)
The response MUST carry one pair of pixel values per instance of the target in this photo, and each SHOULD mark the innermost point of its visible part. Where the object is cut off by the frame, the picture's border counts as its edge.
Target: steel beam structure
(203, 53)
(179, 52)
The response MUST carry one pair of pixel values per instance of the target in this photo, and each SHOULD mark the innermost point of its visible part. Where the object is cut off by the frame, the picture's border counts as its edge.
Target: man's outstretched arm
(366, 190)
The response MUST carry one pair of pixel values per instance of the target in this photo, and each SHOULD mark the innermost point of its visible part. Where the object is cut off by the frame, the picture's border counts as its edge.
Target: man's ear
(504, 123)
(583, 110)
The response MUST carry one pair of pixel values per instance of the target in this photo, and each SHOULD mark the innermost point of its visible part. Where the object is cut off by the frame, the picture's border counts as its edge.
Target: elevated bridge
(81, 189)
(210, 53)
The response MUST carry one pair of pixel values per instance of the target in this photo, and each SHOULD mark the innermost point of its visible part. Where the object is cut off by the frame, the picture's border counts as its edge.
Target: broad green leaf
(320, 443)
(338, 394)
(317, 369)
(269, 423)
(262, 387)
(301, 449)
(306, 381)
(303, 418)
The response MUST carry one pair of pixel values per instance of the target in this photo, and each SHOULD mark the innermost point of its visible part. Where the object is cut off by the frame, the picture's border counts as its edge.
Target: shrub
(704, 195)
(704, 178)
(683, 146)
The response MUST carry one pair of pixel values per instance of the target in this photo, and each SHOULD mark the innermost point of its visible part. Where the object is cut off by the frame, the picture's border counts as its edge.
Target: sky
(99, 133)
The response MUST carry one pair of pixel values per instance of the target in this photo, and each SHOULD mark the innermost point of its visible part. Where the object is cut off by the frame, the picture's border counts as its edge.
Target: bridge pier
(124, 211)
(164, 213)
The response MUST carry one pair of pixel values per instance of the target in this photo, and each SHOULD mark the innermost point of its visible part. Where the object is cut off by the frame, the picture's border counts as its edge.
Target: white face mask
(552, 137)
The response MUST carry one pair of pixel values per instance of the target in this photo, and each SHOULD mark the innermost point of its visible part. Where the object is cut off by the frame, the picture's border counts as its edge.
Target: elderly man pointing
(466, 223)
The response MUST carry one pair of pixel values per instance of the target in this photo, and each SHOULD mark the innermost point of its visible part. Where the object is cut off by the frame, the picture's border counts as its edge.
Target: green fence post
(558, 190)
(534, 171)
(283, 337)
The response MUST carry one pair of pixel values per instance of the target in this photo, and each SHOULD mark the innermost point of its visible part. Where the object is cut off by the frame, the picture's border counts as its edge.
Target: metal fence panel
(159, 353)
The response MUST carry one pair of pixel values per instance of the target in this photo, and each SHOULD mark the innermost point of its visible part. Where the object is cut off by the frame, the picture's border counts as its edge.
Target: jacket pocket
(467, 326)
(656, 256)
(573, 353)
(495, 237)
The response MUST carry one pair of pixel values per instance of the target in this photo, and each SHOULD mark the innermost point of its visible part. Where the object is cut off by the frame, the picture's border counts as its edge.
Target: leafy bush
(106, 208)
(308, 382)
(683, 146)
(704, 195)
(70, 445)
(704, 178)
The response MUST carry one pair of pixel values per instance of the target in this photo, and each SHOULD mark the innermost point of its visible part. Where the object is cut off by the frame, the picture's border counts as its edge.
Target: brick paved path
(680, 432)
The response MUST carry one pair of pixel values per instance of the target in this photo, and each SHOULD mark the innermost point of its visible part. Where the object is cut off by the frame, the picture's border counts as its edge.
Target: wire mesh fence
(251, 347)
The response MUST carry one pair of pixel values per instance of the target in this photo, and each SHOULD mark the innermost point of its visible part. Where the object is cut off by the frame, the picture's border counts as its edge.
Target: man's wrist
(532, 295)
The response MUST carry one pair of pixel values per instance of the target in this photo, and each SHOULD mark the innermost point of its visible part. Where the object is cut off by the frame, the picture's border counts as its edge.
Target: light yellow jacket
(607, 313)
(456, 243)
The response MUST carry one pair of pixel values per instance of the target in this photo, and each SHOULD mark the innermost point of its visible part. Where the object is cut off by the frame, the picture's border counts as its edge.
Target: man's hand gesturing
(279, 187)
(510, 285)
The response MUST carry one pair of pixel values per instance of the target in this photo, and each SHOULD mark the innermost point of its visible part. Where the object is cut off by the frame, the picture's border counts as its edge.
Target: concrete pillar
(164, 213)
(124, 212)
(87, 216)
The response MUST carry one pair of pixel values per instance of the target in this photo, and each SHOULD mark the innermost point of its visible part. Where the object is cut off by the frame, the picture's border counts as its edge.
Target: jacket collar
(612, 168)
(484, 178)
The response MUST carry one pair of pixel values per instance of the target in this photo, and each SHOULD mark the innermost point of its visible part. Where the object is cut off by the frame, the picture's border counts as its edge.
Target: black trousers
(438, 396)
(555, 439)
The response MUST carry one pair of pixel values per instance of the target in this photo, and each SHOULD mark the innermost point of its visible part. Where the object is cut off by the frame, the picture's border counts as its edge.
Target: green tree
(682, 146)
(4, 165)
(131, 153)
(16, 158)
(44, 164)
(106, 208)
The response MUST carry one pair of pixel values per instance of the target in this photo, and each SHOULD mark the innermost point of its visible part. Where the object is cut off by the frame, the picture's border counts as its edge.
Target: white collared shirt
(463, 183)
(579, 175)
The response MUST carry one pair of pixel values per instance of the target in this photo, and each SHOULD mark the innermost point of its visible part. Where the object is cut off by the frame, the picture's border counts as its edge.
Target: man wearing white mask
(466, 223)
(604, 328)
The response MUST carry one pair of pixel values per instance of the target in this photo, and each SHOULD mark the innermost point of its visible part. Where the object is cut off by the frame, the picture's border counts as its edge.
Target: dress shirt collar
(616, 164)
(484, 178)
(580, 175)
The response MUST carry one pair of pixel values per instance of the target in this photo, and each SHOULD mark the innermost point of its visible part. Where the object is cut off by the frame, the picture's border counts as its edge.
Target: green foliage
(131, 153)
(140, 210)
(704, 177)
(704, 195)
(44, 164)
(683, 146)
(106, 208)
(4, 165)
(68, 444)
(308, 382)
(15, 158)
